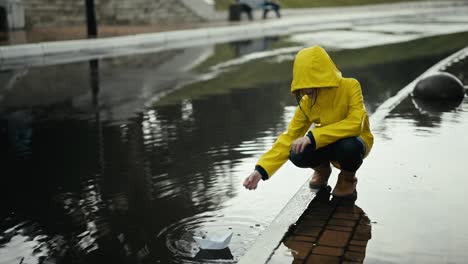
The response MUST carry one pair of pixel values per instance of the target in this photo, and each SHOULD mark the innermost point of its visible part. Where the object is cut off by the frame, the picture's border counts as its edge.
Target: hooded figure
(330, 125)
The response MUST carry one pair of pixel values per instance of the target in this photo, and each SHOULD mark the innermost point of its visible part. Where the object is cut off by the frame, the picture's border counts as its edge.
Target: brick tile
(358, 243)
(299, 249)
(339, 228)
(302, 238)
(334, 238)
(363, 232)
(349, 209)
(306, 230)
(315, 216)
(356, 248)
(354, 256)
(329, 251)
(318, 259)
(341, 222)
(365, 220)
(348, 216)
(312, 222)
(364, 228)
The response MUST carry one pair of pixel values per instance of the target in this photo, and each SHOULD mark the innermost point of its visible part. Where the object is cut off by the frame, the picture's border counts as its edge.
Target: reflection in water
(431, 107)
(90, 175)
(245, 47)
(224, 254)
(94, 79)
(329, 231)
(422, 187)
(101, 190)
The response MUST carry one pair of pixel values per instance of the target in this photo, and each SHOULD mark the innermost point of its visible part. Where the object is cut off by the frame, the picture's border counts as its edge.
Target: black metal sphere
(440, 85)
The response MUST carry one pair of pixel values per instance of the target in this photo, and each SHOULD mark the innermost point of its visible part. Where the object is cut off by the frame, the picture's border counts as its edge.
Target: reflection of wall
(44, 86)
(126, 83)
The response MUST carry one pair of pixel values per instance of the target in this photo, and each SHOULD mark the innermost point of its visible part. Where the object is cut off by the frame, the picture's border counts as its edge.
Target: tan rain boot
(320, 177)
(346, 184)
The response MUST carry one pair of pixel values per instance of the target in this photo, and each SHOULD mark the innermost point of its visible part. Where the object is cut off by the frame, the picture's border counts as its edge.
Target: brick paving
(329, 231)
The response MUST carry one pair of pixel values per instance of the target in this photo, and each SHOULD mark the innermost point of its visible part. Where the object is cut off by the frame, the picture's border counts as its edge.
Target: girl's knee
(350, 154)
(350, 147)
(298, 159)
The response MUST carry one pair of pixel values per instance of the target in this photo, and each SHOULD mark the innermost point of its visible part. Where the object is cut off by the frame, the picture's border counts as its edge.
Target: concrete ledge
(22, 51)
(126, 41)
(58, 47)
(186, 35)
(150, 39)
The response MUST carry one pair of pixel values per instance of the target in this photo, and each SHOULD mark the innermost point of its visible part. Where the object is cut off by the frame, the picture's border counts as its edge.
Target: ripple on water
(179, 241)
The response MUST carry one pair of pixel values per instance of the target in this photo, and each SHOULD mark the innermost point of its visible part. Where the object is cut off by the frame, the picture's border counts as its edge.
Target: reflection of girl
(340, 135)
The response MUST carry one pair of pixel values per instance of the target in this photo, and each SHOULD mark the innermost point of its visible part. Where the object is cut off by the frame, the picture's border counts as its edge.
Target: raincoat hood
(313, 68)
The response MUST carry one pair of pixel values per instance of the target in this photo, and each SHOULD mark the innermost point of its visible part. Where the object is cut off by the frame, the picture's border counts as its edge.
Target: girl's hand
(299, 144)
(251, 182)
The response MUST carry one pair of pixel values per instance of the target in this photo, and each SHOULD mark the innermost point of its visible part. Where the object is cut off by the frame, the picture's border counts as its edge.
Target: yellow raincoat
(337, 112)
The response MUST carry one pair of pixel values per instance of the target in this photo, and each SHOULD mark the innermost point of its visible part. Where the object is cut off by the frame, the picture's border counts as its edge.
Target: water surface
(121, 160)
(413, 186)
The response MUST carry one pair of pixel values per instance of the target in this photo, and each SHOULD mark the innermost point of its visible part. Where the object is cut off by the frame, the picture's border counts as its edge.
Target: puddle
(404, 182)
(103, 172)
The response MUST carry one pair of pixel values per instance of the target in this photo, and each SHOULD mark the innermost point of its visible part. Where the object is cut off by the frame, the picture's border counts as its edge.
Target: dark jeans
(268, 6)
(248, 10)
(348, 152)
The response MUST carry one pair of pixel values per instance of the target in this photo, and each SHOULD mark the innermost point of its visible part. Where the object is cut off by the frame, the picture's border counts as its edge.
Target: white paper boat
(214, 241)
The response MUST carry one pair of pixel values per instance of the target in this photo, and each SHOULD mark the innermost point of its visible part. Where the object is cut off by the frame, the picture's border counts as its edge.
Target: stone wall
(43, 13)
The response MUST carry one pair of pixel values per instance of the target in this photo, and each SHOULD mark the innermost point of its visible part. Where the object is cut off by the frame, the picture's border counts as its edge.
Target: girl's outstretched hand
(299, 144)
(251, 182)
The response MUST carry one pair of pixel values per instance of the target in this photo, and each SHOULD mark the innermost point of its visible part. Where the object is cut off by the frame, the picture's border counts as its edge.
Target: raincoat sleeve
(351, 126)
(274, 158)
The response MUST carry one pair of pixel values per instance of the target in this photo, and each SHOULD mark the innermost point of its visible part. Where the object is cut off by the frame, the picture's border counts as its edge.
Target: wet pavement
(416, 196)
(414, 220)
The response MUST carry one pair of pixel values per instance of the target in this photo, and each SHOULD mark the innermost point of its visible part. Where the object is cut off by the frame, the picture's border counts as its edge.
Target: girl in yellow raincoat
(330, 126)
